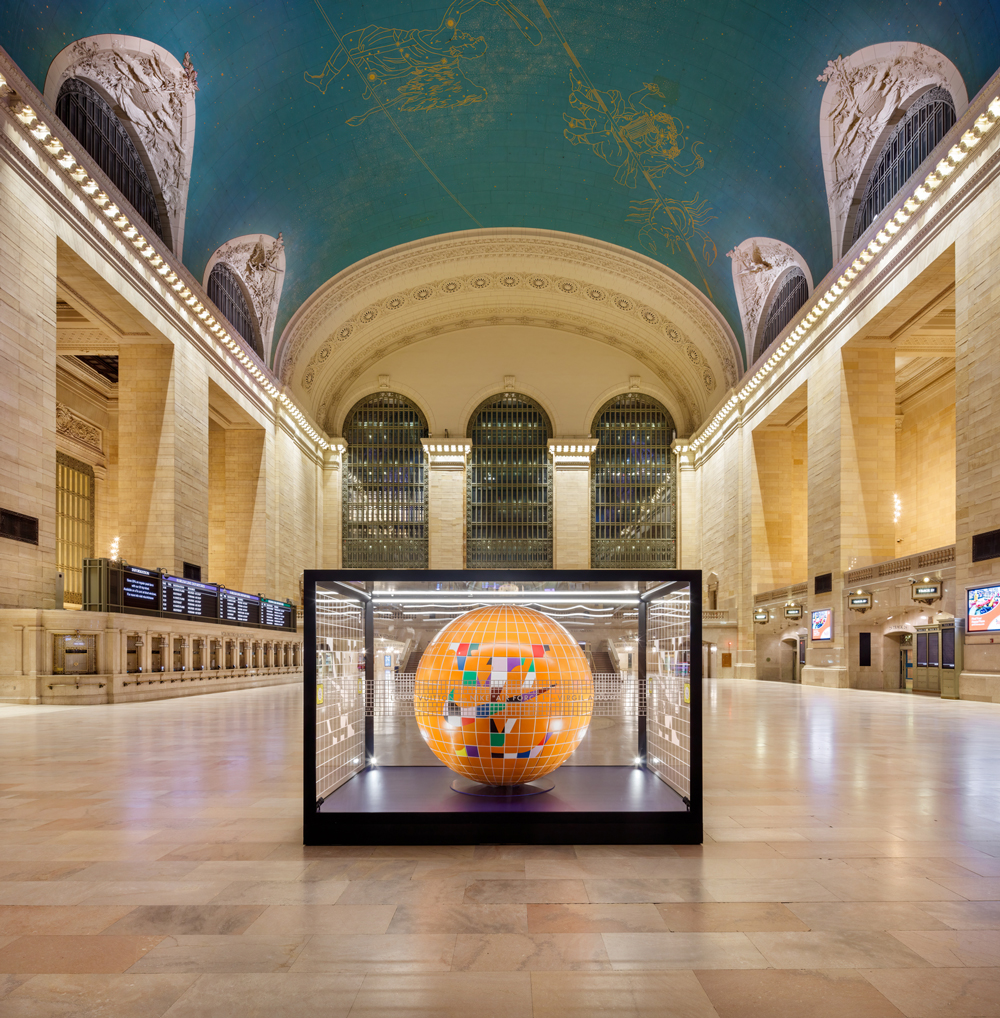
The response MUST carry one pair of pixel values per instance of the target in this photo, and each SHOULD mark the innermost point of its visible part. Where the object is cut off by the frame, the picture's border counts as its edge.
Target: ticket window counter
(74, 655)
(133, 653)
(284, 654)
(197, 655)
(230, 654)
(157, 654)
(255, 655)
(243, 654)
(215, 655)
(934, 670)
(267, 655)
(179, 646)
(295, 656)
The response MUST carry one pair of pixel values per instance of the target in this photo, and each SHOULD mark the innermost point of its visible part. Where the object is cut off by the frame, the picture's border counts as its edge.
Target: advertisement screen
(822, 624)
(984, 609)
(141, 589)
(188, 597)
(235, 606)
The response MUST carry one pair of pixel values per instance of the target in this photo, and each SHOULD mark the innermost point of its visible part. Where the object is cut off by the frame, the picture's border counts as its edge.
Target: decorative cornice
(450, 455)
(574, 453)
(72, 425)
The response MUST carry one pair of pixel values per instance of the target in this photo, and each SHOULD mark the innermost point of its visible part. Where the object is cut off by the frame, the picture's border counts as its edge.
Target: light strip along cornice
(847, 283)
(189, 300)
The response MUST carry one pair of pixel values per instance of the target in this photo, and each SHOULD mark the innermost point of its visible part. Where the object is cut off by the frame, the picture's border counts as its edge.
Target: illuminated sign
(235, 606)
(277, 614)
(140, 589)
(761, 615)
(793, 611)
(984, 609)
(926, 590)
(189, 598)
(822, 624)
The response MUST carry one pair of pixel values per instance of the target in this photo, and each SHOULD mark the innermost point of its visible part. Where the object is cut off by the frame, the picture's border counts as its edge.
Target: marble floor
(150, 864)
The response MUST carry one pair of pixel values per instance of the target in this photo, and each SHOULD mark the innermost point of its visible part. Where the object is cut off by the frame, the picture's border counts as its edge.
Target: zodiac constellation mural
(425, 65)
(635, 138)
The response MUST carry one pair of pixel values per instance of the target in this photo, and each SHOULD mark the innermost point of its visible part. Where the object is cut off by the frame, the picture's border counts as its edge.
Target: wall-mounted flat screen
(822, 624)
(235, 606)
(140, 589)
(984, 609)
(279, 614)
(189, 597)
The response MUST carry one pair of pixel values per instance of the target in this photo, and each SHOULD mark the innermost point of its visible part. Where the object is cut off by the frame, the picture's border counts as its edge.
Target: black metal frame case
(479, 821)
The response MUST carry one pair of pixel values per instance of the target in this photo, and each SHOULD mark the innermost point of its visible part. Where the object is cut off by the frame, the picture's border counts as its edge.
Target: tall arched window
(634, 517)
(926, 122)
(93, 123)
(784, 306)
(226, 292)
(385, 485)
(509, 488)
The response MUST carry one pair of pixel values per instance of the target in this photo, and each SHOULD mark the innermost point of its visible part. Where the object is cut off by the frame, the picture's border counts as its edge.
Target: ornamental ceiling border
(643, 350)
(579, 255)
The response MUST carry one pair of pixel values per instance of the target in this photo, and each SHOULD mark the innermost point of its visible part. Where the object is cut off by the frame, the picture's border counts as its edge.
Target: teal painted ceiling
(352, 127)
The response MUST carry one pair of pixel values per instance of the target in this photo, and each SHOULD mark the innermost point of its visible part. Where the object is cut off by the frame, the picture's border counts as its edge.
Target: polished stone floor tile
(444, 995)
(536, 952)
(876, 916)
(460, 919)
(682, 951)
(96, 996)
(523, 892)
(280, 920)
(954, 948)
(596, 918)
(794, 993)
(57, 919)
(940, 993)
(280, 892)
(228, 920)
(247, 953)
(729, 917)
(400, 952)
(676, 994)
(965, 915)
(276, 995)
(74, 954)
(857, 949)
(643, 889)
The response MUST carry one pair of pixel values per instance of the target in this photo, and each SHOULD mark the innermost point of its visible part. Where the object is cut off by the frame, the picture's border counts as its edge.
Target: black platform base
(587, 806)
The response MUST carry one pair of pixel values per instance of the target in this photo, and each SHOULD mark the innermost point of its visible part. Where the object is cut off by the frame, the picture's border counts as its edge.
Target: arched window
(784, 306)
(94, 124)
(509, 489)
(634, 518)
(226, 293)
(385, 485)
(925, 123)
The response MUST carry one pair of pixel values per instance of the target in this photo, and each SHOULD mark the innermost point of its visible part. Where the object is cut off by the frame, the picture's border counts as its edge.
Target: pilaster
(446, 466)
(571, 501)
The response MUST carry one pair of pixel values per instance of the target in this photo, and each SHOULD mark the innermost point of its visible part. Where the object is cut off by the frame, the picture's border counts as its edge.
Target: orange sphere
(503, 695)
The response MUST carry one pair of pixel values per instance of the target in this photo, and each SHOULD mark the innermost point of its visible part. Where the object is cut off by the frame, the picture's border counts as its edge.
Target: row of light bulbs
(957, 154)
(63, 158)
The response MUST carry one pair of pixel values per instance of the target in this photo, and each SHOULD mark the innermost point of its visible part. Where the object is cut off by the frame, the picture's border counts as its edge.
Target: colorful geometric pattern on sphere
(503, 695)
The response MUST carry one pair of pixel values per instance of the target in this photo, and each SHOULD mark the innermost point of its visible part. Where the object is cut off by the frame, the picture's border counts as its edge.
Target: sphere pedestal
(467, 787)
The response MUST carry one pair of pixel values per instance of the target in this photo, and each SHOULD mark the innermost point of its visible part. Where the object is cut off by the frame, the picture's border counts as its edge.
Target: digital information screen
(822, 624)
(188, 597)
(235, 606)
(279, 614)
(984, 610)
(140, 589)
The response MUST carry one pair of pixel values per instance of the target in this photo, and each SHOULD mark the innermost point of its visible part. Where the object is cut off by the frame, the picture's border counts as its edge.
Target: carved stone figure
(153, 95)
(69, 424)
(259, 261)
(864, 92)
(758, 264)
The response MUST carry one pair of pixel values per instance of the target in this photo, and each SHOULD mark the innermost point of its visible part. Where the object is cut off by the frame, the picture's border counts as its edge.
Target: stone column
(333, 504)
(446, 463)
(571, 501)
(687, 484)
(852, 472)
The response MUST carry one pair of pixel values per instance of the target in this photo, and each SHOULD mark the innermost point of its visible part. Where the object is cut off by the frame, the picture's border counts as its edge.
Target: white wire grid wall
(340, 691)
(668, 683)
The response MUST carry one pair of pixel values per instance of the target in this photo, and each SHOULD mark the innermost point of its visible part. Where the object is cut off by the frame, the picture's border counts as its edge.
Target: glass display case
(528, 707)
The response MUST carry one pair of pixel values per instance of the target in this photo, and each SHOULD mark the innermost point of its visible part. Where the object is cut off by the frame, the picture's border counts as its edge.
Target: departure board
(279, 614)
(140, 589)
(235, 606)
(189, 597)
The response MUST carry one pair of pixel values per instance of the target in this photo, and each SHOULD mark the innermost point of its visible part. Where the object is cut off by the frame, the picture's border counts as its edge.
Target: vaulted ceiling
(352, 127)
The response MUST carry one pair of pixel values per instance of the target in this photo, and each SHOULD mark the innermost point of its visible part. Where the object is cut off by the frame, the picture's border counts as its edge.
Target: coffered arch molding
(511, 276)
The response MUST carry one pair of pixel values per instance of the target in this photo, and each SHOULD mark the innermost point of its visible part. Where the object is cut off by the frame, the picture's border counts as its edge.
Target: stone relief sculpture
(152, 93)
(259, 261)
(759, 265)
(863, 94)
(72, 426)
